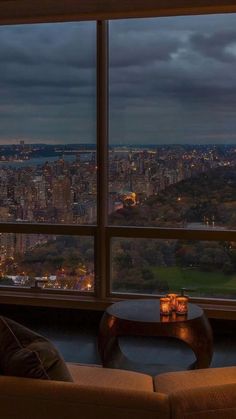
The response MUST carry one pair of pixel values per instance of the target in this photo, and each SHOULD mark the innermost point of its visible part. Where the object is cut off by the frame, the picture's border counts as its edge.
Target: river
(39, 161)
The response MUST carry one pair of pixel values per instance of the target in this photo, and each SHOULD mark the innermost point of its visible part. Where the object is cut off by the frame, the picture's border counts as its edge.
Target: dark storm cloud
(47, 82)
(171, 80)
(215, 45)
(141, 51)
(12, 54)
(45, 76)
(187, 84)
(26, 57)
(187, 95)
(65, 44)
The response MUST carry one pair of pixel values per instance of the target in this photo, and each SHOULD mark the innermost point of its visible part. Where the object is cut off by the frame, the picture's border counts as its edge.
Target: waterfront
(38, 161)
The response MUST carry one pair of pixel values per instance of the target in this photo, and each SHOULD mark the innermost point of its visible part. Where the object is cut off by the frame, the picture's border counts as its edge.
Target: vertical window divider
(102, 256)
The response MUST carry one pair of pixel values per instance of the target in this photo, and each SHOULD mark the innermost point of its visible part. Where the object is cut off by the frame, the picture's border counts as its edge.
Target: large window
(117, 165)
(47, 123)
(52, 262)
(172, 152)
(48, 169)
(172, 122)
(204, 268)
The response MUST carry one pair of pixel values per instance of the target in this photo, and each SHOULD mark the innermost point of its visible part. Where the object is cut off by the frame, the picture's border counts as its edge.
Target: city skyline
(168, 187)
(172, 81)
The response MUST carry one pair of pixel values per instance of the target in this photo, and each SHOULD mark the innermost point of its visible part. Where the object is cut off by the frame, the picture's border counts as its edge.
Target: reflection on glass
(151, 266)
(47, 261)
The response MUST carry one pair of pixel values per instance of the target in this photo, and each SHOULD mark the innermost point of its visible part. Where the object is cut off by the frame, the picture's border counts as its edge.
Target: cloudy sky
(48, 83)
(172, 80)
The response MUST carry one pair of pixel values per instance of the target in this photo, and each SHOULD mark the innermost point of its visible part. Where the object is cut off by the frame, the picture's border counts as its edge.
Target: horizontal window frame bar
(171, 233)
(29, 297)
(26, 11)
(46, 291)
(58, 229)
(119, 231)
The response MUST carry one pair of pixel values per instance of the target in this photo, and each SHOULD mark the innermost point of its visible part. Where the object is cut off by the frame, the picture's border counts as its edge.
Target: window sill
(57, 300)
(220, 309)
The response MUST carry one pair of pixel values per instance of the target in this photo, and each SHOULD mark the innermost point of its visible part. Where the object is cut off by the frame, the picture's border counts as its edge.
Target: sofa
(102, 393)
(36, 383)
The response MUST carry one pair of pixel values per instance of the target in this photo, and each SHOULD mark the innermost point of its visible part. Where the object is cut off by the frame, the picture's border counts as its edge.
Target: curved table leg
(197, 334)
(108, 344)
(199, 338)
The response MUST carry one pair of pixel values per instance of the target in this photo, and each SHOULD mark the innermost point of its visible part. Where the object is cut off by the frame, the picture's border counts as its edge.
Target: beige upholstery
(110, 378)
(24, 398)
(170, 382)
(213, 402)
(200, 394)
(100, 393)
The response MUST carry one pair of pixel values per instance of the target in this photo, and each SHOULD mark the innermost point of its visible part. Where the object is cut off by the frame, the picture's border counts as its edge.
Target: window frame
(25, 11)
(13, 12)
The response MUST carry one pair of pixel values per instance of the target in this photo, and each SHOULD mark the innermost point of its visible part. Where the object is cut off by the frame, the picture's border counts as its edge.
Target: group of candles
(173, 303)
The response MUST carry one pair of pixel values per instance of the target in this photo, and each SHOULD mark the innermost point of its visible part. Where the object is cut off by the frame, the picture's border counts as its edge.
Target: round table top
(148, 311)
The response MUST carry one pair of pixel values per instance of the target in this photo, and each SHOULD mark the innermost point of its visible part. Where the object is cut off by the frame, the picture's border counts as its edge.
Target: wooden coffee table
(142, 318)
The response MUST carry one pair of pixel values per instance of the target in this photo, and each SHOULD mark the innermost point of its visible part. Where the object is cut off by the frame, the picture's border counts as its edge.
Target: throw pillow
(24, 353)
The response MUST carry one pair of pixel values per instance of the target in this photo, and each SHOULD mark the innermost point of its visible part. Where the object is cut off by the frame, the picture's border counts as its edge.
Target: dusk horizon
(117, 144)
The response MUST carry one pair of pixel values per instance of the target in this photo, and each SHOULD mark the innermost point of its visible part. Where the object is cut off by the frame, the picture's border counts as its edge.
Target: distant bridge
(84, 151)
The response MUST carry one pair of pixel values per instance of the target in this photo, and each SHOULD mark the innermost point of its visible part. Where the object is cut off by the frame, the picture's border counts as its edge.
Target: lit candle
(165, 318)
(181, 305)
(172, 297)
(165, 307)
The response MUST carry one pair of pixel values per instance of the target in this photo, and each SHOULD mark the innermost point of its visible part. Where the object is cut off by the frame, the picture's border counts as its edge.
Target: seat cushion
(24, 353)
(110, 378)
(183, 380)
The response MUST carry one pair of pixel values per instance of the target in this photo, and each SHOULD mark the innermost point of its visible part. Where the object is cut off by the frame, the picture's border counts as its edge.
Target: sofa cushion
(24, 353)
(110, 378)
(184, 380)
(212, 402)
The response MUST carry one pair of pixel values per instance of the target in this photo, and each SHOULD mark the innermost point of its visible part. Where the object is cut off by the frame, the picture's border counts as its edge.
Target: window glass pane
(48, 123)
(49, 261)
(173, 122)
(151, 266)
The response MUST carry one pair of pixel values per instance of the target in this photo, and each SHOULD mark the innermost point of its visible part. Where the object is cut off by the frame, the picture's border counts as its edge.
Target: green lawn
(208, 283)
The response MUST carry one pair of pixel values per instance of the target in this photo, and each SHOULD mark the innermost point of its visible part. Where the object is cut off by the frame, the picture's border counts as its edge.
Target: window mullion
(101, 244)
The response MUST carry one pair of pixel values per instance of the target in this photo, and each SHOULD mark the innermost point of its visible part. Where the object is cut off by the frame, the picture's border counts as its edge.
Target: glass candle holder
(172, 297)
(181, 305)
(165, 318)
(165, 306)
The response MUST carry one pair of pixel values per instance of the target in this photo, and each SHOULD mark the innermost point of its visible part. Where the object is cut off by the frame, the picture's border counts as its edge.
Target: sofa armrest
(218, 402)
(26, 398)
